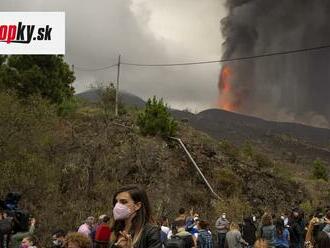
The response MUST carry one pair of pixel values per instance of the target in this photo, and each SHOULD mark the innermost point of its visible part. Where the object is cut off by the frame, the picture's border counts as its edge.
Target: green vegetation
(307, 207)
(68, 106)
(235, 208)
(247, 150)
(155, 119)
(228, 183)
(108, 101)
(230, 150)
(45, 75)
(262, 160)
(319, 170)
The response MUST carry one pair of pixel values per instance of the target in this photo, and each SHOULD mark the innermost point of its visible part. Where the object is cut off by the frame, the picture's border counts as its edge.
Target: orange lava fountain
(226, 97)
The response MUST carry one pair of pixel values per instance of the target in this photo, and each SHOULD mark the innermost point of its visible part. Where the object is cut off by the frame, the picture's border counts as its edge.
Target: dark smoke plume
(293, 87)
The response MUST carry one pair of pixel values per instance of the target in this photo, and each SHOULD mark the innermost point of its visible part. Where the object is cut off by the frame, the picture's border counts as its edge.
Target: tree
(45, 75)
(319, 170)
(155, 119)
(108, 99)
(2, 59)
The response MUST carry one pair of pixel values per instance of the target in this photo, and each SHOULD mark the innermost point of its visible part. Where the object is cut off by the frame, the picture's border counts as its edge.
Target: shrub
(319, 170)
(236, 208)
(230, 150)
(247, 150)
(155, 119)
(307, 207)
(68, 106)
(107, 102)
(262, 160)
(227, 182)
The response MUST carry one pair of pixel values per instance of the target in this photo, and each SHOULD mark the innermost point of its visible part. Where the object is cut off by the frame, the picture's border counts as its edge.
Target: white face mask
(121, 211)
(223, 216)
(56, 242)
(282, 217)
(254, 218)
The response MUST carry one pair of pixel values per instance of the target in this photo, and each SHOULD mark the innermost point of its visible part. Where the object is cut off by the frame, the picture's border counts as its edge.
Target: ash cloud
(291, 87)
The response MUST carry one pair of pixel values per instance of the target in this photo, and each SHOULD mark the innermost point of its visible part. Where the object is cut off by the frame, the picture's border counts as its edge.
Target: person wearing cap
(222, 226)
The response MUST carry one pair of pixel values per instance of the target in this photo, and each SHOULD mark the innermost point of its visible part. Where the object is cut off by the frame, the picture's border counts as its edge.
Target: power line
(80, 68)
(233, 59)
(175, 64)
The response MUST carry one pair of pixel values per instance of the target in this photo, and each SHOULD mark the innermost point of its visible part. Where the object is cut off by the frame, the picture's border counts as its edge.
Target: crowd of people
(131, 226)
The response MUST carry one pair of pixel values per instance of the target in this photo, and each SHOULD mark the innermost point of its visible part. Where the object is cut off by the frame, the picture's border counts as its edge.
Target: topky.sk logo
(32, 33)
(21, 33)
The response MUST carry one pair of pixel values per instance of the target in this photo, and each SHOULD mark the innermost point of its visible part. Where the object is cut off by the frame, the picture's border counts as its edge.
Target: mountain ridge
(305, 142)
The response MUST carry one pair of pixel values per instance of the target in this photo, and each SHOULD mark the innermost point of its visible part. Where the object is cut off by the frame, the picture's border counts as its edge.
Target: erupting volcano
(288, 87)
(227, 99)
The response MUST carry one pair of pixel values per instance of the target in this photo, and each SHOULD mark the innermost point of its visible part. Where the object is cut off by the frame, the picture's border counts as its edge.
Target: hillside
(125, 97)
(283, 141)
(68, 167)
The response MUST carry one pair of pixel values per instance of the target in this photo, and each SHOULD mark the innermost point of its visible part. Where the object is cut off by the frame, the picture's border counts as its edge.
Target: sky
(142, 31)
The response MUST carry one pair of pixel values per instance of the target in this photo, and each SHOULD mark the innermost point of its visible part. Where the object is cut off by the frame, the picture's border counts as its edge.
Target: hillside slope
(291, 142)
(69, 167)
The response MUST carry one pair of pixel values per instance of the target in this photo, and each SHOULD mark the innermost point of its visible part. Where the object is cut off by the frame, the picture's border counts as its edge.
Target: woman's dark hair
(182, 211)
(327, 215)
(266, 219)
(59, 233)
(248, 220)
(279, 224)
(162, 221)
(106, 219)
(300, 216)
(143, 215)
(203, 224)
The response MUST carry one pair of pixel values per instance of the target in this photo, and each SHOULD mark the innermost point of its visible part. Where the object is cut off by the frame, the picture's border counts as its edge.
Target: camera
(20, 218)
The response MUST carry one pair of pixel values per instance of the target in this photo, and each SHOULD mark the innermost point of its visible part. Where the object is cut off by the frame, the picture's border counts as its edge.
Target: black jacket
(248, 231)
(150, 238)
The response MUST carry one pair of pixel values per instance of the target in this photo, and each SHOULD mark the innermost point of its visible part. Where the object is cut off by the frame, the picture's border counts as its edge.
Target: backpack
(5, 226)
(21, 221)
(176, 242)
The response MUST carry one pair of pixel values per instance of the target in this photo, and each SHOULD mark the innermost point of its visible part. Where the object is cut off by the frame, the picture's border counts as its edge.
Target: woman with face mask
(133, 226)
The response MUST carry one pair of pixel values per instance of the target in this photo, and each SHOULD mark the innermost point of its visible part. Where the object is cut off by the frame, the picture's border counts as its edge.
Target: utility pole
(117, 87)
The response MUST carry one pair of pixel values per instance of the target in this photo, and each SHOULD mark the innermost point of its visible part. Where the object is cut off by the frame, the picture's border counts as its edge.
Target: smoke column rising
(291, 87)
